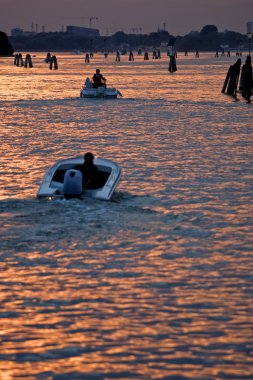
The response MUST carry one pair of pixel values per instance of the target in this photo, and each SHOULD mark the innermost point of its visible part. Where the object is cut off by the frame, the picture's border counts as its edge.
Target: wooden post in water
(172, 64)
(28, 60)
(117, 59)
(246, 82)
(53, 63)
(227, 79)
(48, 58)
(233, 83)
(131, 56)
(232, 78)
(19, 60)
(16, 59)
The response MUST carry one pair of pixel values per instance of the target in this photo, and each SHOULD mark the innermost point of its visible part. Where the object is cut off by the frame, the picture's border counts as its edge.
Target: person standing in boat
(89, 172)
(98, 80)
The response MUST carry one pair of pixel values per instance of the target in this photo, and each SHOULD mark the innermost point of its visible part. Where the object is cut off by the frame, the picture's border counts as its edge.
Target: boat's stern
(109, 176)
(100, 92)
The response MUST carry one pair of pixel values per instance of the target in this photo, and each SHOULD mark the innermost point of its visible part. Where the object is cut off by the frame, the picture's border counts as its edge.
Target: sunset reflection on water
(156, 284)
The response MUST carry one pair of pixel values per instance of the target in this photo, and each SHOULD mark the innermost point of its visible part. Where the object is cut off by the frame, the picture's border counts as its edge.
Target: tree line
(208, 39)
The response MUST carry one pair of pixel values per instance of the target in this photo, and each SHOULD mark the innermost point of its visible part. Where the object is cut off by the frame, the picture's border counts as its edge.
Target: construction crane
(91, 18)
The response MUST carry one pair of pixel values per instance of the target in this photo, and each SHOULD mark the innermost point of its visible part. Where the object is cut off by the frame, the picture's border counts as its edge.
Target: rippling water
(156, 284)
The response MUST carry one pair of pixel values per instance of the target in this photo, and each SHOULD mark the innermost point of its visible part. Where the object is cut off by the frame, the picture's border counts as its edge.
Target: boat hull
(100, 92)
(109, 176)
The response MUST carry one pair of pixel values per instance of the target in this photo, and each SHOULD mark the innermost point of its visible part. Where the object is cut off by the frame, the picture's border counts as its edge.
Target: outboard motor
(72, 184)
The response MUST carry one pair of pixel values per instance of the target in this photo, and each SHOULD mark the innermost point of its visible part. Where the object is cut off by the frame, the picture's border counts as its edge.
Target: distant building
(249, 27)
(17, 32)
(81, 31)
(20, 32)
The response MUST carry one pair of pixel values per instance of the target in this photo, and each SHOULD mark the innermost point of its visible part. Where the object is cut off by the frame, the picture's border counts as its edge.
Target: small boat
(109, 174)
(100, 92)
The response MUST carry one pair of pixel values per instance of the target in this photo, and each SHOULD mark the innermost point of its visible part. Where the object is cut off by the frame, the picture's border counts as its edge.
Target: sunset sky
(179, 17)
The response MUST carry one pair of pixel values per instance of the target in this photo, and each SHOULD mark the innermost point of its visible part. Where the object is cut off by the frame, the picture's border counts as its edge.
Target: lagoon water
(157, 283)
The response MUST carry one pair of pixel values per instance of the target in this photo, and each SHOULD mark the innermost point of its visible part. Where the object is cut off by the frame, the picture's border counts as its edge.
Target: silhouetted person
(98, 80)
(89, 172)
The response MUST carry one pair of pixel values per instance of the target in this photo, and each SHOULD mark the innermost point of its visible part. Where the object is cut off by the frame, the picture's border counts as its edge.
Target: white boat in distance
(100, 92)
(109, 174)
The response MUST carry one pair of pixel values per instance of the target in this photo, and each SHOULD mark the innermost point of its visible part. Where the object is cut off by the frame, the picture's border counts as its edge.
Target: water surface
(157, 283)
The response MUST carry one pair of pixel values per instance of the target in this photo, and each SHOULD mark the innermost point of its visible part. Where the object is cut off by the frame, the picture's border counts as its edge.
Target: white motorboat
(109, 174)
(100, 92)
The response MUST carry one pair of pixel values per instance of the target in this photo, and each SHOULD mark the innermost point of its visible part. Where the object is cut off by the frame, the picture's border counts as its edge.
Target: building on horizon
(82, 31)
(76, 30)
(15, 32)
(249, 27)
